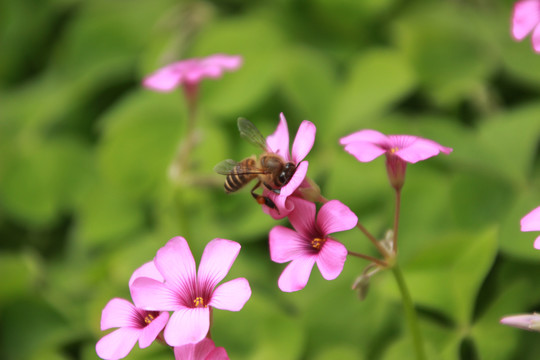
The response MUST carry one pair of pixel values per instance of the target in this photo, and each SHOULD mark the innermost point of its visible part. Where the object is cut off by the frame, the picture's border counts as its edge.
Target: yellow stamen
(317, 243)
(393, 150)
(199, 302)
(148, 319)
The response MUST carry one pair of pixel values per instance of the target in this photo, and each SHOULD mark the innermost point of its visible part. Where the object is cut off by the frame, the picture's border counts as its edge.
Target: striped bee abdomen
(241, 175)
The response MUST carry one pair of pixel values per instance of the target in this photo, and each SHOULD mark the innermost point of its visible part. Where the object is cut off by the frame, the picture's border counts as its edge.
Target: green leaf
(447, 275)
(104, 214)
(141, 136)
(378, 79)
(30, 326)
(309, 82)
(450, 58)
(23, 271)
(513, 241)
(478, 200)
(44, 178)
(260, 42)
(262, 331)
(509, 301)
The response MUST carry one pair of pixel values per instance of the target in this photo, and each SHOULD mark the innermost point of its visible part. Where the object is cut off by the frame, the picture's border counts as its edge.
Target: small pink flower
(366, 145)
(133, 322)
(188, 294)
(278, 143)
(526, 18)
(203, 350)
(191, 71)
(524, 321)
(311, 242)
(134, 325)
(531, 222)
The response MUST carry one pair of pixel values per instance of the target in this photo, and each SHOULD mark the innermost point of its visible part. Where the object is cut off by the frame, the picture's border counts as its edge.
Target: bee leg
(263, 200)
(276, 191)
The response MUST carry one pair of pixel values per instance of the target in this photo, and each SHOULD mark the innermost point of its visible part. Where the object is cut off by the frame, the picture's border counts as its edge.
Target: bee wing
(250, 132)
(225, 167)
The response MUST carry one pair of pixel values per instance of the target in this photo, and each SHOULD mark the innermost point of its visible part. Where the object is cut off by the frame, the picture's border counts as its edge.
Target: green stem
(396, 221)
(410, 313)
(365, 231)
(369, 258)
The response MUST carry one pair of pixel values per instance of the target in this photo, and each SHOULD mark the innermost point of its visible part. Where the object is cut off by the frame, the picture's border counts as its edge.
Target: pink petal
(150, 294)
(296, 274)
(284, 206)
(331, 259)
(187, 326)
(118, 313)
(175, 262)
(522, 321)
(286, 244)
(364, 151)
(531, 221)
(117, 344)
(218, 353)
(228, 62)
(231, 295)
(525, 17)
(148, 270)
(198, 351)
(303, 142)
(303, 217)
(217, 259)
(278, 142)
(536, 39)
(537, 243)
(165, 79)
(367, 135)
(334, 216)
(296, 180)
(150, 332)
(421, 149)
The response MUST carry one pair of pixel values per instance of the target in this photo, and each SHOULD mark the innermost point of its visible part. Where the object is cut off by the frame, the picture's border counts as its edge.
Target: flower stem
(410, 313)
(396, 221)
(366, 232)
(369, 258)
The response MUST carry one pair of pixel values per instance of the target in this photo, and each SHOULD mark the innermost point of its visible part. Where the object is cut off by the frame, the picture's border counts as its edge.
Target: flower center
(317, 243)
(199, 302)
(148, 319)
(394, 149)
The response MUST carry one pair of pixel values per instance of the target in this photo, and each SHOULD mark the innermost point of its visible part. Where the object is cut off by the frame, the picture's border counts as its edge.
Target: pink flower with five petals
(531, 222)
(278, 143)
(203, 350)
(311, 242)
(134, 323)
(191, 71)
(366, 145)
(526, 18)
(189, 294)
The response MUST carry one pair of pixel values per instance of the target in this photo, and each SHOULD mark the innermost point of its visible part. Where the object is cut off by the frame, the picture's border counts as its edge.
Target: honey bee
(270, 169)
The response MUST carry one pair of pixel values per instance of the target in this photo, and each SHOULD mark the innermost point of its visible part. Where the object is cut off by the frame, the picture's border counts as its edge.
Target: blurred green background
(84, 150)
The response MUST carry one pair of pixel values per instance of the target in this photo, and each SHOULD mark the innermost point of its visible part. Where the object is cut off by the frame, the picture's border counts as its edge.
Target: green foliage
(87, 194)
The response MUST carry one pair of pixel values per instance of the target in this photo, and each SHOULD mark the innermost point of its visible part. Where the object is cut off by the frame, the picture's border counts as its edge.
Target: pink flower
(188, 294)
(525, 321)
(531, 222)
(133, 322)
(278, 143)
(526, 18)
(311, 242)
(191, 71)
(366, 145)
(203, 350)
